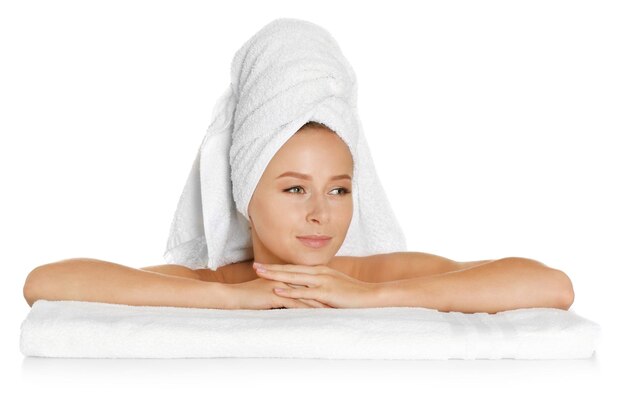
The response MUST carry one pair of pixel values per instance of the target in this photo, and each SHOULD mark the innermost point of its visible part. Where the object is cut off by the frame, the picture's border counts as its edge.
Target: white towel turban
(290, 72)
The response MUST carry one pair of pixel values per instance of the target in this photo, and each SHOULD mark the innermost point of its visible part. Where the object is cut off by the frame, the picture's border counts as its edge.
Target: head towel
(289, 73)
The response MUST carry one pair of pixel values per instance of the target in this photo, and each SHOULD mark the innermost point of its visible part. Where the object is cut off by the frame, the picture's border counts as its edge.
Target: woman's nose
(318, 208)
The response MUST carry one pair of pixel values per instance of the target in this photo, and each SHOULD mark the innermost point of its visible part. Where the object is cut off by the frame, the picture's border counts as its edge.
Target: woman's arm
(503, 284)
(84, 279)
(401, 265)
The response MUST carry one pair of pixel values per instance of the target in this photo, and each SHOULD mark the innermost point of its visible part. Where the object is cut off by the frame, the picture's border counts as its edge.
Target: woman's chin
(316, 260)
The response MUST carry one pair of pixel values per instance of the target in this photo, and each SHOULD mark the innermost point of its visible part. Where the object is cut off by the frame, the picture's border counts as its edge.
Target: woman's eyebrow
(308, 177)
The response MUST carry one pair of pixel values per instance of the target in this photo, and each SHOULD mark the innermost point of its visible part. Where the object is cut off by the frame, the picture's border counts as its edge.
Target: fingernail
(259, 269)
(256, 265)
(279, 289)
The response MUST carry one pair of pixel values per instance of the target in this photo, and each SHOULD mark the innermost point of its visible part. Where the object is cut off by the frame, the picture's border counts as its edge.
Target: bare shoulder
(373, 268)
(397, 265)
(349, 265)
(364, 268)
(234, 273)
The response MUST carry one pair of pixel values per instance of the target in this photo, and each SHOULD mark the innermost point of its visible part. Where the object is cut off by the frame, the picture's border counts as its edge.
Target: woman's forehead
(313, 142)
(311, 156)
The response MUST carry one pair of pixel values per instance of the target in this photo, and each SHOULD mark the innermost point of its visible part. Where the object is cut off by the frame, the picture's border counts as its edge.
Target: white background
(497, 129)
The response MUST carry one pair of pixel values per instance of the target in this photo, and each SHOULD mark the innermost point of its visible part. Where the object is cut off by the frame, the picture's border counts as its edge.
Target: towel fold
(78, 329)
(289, 73)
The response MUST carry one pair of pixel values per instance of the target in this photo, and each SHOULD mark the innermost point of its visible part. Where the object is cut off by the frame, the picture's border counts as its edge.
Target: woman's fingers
(308, 302)
(295, 303)
(303, 303)
(313, 303)
(288, 277)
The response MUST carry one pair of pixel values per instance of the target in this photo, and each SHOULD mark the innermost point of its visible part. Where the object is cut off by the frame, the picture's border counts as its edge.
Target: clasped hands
(319, 285)
(303, 286)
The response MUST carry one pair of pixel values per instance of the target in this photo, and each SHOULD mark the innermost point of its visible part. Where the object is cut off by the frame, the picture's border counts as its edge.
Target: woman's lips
(314, 243)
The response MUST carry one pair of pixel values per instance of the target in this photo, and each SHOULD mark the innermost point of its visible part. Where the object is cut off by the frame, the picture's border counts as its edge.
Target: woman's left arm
(503, 284)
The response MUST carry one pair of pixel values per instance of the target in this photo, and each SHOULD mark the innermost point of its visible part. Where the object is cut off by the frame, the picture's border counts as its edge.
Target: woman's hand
(258, 294)
(320, 283)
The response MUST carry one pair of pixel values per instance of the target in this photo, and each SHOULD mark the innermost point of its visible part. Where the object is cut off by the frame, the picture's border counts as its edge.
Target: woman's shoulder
(364, 268)
(381, 267)
(349, 265)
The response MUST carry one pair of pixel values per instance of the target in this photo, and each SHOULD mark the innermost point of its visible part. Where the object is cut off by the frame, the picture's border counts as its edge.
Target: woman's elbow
(35, 284)
(565, 290)
(30, 286)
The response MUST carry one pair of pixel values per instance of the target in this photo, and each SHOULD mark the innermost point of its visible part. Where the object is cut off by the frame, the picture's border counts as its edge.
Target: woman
(285, 207)
(287, 136)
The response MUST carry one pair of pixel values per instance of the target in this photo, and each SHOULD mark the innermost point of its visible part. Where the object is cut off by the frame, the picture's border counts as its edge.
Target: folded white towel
(290, 72)
(79, 329)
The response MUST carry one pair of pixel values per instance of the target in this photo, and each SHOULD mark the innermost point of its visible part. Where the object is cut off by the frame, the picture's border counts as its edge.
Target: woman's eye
(344, 190)
(293, 188)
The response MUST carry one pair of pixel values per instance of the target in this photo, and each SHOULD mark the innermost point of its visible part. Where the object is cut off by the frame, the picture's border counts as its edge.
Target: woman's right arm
(85, 279)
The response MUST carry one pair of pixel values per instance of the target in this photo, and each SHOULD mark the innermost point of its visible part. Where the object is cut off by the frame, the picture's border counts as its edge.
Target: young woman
(305, 192)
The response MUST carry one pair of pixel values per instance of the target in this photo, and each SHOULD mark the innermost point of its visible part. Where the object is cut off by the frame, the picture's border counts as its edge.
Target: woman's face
(284, 207)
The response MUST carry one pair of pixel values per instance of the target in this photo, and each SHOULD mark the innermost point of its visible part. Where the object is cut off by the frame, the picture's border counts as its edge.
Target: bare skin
(87, 279)
(281, 209)
(364, 268)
